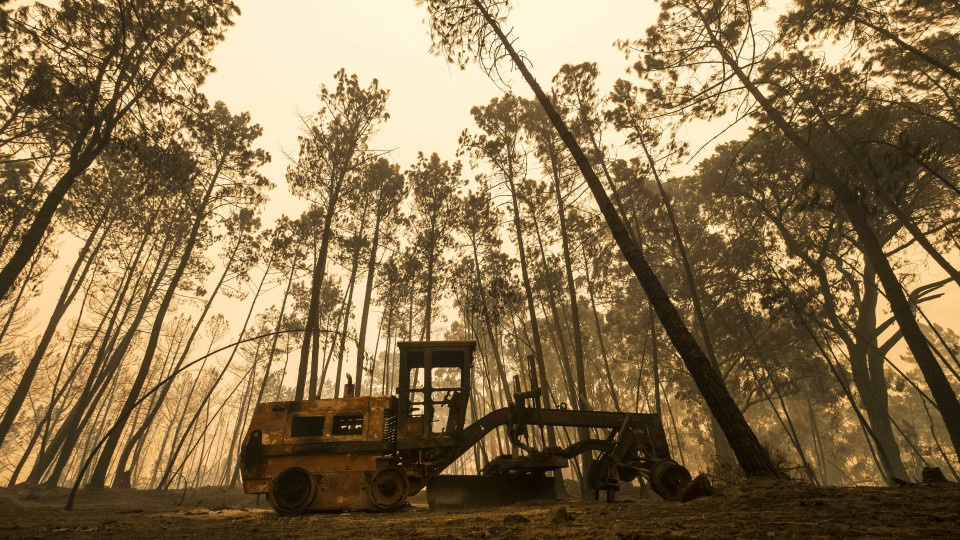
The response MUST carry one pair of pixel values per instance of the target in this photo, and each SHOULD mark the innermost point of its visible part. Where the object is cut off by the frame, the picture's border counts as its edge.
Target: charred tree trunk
(870, 380)
(158, 401)
(341, 349)
(428, 309)
(30, 242)
(70, 289)
(751, 455)
(98, 477)
(869, 243)
(312, 329)
(109, 356)
(166, 478)
(365, 314)
(596, 320)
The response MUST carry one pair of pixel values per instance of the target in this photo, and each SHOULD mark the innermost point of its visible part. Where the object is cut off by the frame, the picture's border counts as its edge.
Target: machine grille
(390, 426)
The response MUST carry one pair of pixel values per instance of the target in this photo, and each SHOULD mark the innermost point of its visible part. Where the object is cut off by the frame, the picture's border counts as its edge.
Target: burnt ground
(750, 510)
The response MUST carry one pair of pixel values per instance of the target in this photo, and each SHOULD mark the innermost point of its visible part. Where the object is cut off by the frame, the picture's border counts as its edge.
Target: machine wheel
(388, 488)
(292, 491)
(668, 478)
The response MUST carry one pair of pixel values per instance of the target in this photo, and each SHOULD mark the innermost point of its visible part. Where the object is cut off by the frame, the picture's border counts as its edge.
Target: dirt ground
(750, 510)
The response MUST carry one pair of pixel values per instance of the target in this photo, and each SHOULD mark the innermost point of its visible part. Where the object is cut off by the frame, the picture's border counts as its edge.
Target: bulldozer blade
(471, 491)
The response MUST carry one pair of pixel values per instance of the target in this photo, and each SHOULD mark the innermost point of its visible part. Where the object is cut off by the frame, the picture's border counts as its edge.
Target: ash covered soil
(755, 509)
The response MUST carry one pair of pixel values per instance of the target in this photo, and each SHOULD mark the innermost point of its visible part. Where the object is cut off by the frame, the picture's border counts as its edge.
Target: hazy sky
(279, 52)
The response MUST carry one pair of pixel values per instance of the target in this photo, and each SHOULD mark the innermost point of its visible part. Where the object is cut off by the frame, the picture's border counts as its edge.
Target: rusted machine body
(333, 448)
(371, 453)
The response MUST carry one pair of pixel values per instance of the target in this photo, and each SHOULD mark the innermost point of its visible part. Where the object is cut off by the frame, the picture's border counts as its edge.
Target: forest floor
(753, 509)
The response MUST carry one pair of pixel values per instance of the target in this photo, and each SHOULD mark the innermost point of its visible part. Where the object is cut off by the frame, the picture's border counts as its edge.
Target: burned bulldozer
(371, 453)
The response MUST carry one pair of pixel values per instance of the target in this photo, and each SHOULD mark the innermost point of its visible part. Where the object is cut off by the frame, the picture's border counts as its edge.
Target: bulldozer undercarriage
(372, 453)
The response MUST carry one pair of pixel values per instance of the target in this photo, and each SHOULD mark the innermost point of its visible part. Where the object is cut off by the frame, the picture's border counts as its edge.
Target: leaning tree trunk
(70, 290)
(166, 478)
(57, 393)
(28, 278)
(139, 435)
(13, 224)
(750, 454)
(109, 355)
(31, 239)
(869, 244)
(108, 358)
(682, 249)
(367, 293)
(721, 445)
(98, 478)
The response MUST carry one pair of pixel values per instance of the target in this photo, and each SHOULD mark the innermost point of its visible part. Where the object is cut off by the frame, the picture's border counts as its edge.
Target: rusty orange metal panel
(340, 443)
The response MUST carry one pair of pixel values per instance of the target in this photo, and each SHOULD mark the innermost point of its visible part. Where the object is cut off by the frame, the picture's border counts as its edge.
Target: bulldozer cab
(434, 387)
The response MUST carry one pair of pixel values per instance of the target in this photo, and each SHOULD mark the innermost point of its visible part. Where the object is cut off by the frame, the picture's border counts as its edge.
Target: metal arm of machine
(648, 427)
